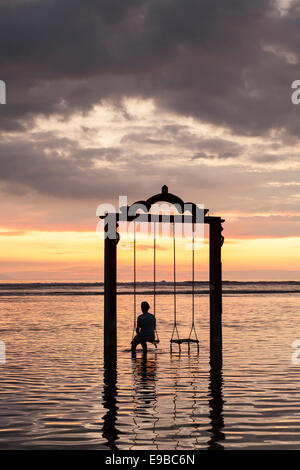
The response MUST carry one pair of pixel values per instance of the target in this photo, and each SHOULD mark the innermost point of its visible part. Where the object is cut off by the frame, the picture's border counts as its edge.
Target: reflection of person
(145, 329)
(146, 369)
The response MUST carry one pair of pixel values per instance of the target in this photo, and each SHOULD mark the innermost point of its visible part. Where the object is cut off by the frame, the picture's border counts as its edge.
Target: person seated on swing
(146, 325)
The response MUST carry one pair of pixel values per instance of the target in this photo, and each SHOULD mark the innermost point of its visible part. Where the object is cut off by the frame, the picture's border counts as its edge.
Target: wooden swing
(189, 340)
(156, 340)
(175, 332)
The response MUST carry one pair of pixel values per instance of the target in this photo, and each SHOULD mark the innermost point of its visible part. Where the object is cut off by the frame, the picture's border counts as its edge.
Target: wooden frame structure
(216, 240)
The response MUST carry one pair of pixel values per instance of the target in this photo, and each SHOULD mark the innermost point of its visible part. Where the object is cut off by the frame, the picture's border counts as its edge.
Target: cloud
(109, 98)
(226, 66)
(13, 233)
(225, 63)
(40, 166)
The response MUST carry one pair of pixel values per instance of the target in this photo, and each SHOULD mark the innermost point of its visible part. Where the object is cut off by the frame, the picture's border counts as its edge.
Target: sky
(112, 97)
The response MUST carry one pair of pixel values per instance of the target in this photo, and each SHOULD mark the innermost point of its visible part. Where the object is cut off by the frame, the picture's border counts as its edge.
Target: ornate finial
(164, 189)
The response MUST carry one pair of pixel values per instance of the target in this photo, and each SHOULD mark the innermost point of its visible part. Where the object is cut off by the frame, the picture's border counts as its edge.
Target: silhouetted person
(145, 329)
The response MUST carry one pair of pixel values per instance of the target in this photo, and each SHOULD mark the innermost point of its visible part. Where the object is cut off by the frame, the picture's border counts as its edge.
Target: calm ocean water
(52, 386)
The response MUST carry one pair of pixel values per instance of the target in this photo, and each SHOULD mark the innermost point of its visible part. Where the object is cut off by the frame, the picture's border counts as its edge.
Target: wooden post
(110, 302)
(215, 280)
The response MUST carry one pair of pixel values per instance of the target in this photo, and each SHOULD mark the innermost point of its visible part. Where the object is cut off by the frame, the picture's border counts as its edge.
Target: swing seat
(184, 340)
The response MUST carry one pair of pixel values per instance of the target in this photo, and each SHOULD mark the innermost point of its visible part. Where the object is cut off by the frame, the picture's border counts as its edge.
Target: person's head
(145, 307)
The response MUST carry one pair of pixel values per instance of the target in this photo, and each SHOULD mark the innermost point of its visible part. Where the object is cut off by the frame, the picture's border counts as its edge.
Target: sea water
(55, 394)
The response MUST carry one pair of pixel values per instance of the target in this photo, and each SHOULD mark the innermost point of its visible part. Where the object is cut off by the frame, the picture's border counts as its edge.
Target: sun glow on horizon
(59, 255)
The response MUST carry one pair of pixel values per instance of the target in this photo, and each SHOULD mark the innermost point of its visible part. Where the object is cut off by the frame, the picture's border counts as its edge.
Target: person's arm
(138, 326)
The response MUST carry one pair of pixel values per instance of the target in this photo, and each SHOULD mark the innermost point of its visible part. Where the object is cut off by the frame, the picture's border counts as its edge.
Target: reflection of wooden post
(110, 391)
(215, 280)
(216, 409)
(110, 301)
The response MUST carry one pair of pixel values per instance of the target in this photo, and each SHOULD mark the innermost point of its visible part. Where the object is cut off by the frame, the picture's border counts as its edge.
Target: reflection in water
(195, 395)
(216, 409)
(175, 367)
(52, 372)
(188, 371)
(110, 391)
(186, 379)
(145, 415)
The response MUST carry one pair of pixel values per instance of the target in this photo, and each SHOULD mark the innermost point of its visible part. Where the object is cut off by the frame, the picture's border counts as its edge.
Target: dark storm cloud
(221, 62)
(36, 165)
(269, 158)
(60, 168)
(205, 156)
(183, 138)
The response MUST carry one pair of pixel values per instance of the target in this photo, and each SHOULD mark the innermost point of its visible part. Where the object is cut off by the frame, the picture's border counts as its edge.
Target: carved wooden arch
(164, 196)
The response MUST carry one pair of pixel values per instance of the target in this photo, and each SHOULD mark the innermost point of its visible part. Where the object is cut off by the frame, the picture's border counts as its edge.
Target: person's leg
(136, 340)
(144, 346)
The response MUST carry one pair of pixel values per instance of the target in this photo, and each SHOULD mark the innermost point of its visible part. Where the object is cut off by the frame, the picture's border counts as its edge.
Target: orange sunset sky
(47, 236)
(135, 100)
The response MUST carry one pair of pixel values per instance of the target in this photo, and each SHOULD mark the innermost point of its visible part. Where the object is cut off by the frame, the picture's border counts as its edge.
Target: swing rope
(154, 268)
(156, 340)
(134, 280)
(193, 288)
(175, 329)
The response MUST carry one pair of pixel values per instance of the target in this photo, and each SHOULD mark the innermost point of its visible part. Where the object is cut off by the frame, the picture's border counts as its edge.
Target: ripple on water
(53, 393)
